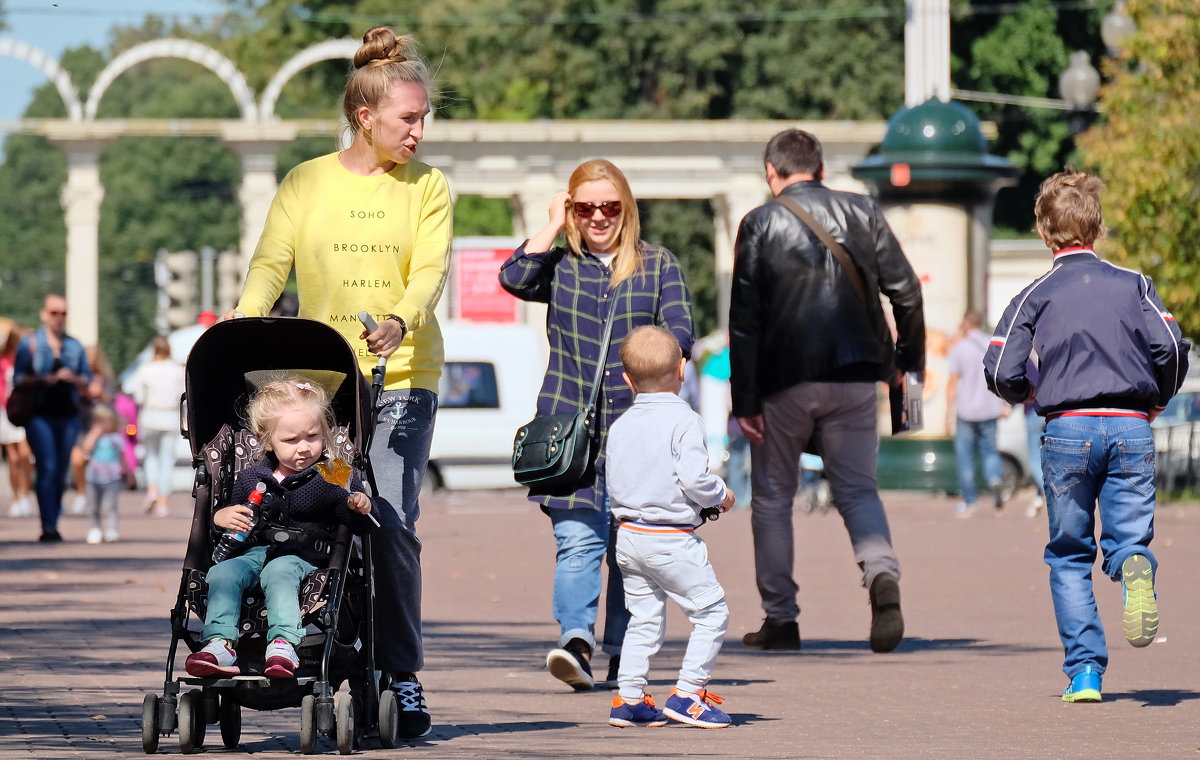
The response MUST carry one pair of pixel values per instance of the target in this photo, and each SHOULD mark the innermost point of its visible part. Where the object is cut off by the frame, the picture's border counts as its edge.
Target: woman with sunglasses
(603, 268)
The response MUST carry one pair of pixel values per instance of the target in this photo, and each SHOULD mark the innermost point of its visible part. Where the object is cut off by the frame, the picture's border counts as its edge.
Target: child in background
(658, 481)
(293, 422)
(1111, 357)
(104, 473)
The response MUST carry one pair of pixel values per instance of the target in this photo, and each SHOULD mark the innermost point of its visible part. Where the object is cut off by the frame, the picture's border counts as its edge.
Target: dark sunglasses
(610, 209)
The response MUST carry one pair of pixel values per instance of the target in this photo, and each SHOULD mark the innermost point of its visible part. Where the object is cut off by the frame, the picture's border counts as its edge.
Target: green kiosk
(937, 185)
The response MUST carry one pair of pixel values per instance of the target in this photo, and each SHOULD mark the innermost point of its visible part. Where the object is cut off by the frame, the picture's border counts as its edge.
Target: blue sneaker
(1085, 687)
(1140, 619)
(698, 709)
(644, 714)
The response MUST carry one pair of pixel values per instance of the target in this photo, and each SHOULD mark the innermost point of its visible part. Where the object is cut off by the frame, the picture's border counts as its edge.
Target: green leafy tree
(1147, 150)
(1021, 51)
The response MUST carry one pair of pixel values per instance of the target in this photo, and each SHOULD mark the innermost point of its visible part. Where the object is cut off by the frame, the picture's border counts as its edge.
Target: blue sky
(55, 25)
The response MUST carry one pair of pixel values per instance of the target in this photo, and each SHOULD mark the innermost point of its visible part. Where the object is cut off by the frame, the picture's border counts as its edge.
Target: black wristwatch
(403, 326)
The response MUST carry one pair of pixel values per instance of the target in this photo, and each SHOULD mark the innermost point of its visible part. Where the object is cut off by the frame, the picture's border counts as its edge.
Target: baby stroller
(336, 601)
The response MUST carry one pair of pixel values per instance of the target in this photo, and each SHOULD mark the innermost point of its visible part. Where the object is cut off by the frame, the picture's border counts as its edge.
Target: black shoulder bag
(552, 452)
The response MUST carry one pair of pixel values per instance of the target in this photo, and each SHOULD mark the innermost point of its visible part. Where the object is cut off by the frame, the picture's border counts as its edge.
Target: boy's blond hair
(1068, 210)
(651, 357)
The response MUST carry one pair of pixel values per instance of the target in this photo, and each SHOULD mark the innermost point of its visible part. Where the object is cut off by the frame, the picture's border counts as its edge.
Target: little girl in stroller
(275, 648)
(288, 536)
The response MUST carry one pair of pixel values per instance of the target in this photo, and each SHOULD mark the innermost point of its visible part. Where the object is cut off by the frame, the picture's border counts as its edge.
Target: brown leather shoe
(774, 636)
(887, 624)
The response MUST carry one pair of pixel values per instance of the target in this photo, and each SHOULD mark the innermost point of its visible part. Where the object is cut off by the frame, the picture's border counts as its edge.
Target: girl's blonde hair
(275, 398)
(628, 260)
(382, 60)
(104, 413)
(1068, 210)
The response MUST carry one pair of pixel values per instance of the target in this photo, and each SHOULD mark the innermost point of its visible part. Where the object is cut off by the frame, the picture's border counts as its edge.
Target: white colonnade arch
(329, 50)
(34, 56)
(175, 48)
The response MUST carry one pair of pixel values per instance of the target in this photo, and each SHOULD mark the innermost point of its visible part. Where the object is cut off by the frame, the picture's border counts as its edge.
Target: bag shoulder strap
(836, 248)
(603, 359)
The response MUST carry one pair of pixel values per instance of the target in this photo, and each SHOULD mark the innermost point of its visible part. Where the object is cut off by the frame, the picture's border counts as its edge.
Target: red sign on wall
(478, 296)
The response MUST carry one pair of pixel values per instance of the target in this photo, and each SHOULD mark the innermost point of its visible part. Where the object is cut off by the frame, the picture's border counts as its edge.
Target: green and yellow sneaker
(1140, 620)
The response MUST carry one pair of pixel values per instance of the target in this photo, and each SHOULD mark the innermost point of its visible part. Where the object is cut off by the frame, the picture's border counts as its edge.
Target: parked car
(489, 388)
(1177, 439)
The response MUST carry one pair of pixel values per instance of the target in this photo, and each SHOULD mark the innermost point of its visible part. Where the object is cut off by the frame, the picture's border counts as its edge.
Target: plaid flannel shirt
(577, 290)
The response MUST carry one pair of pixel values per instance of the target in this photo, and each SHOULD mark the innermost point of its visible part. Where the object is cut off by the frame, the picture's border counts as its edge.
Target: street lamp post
(1116, 28)
(1079, 85)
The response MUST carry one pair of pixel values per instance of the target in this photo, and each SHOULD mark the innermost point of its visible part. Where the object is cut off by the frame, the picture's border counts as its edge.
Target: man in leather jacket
(806, 353)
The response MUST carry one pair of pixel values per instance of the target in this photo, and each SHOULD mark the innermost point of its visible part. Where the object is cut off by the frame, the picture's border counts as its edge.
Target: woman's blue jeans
(584, 538)
(51, 439)
(280, 580)
(1085, 461)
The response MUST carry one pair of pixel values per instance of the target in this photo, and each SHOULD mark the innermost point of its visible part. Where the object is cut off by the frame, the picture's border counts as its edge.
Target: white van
(489, 389)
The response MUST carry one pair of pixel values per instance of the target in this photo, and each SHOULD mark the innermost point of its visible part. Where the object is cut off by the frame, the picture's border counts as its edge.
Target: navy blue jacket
(1104, 340)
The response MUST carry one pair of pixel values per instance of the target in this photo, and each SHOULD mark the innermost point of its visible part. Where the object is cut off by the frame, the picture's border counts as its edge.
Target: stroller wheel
(344, 720)
(191, 722)
(231, 722)
(150, 724)
(308, 724)
(389, 720)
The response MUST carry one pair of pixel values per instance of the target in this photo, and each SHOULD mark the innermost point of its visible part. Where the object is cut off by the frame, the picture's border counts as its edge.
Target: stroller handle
(371, 326)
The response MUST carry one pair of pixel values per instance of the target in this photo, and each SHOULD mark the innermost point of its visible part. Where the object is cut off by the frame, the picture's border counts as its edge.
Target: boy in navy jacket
(1110, 358)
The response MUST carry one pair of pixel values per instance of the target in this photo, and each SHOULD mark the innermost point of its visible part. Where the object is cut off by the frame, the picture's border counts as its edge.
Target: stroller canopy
(231, 357)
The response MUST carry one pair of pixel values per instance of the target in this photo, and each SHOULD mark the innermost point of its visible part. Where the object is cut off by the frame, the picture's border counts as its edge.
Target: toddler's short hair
(1068, 210)
(651, 356)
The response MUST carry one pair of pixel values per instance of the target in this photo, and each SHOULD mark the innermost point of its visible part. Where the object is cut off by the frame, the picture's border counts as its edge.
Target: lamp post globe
(1116, 28)
(1079, 85)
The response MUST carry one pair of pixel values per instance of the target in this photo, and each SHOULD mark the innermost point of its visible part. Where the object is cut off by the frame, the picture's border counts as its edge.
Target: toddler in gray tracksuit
(658, 481)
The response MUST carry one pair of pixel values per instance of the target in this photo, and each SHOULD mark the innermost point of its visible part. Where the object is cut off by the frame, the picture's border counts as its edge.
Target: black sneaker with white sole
(413, 719)
(571, 667)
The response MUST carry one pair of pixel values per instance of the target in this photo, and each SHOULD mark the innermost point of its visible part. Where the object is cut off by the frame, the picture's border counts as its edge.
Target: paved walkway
(84, 633)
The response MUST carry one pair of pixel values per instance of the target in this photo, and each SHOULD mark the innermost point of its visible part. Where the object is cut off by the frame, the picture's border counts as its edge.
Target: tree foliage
(1148, 152)
(508, 60)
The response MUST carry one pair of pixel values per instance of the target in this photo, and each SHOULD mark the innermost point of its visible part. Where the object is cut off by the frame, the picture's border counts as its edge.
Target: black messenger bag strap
(833, 245)
(604, 341)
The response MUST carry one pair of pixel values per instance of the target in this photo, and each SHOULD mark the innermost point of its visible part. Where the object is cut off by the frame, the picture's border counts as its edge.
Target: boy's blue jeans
(970, 437)
(1086, 460)
(584, 538)
(280, 580)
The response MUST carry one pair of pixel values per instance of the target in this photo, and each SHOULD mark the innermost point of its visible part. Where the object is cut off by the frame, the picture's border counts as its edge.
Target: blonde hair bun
(381, 46)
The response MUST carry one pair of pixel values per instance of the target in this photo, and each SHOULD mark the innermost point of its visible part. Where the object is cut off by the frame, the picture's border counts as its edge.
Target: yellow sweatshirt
(379, 244)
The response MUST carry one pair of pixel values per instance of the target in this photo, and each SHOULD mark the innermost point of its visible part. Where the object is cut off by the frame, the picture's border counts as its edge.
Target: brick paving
(84, 634)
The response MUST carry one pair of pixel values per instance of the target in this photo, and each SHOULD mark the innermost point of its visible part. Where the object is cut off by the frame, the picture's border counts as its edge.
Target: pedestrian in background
(1110, 357)
(56, 364)
(807, 349)
(973, 412)
(12, 438)
(157, 386)
(107, 471)
(603, 269)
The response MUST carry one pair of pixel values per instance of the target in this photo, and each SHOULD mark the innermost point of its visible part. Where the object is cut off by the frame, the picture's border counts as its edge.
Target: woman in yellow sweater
(368, 229)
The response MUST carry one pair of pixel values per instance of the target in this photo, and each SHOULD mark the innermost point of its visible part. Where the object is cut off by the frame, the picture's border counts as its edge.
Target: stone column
(257, 145)
(81, 197)
(745, 193)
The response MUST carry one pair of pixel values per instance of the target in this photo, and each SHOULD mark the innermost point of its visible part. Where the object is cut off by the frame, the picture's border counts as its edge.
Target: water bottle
(231, 541)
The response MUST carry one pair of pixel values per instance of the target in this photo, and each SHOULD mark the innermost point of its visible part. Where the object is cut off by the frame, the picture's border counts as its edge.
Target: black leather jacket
(794, 316)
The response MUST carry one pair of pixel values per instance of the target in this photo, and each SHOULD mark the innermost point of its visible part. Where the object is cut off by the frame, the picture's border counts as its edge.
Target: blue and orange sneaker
(1085, 687)
(697, 709)
(643, 714)
(1140, 619)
